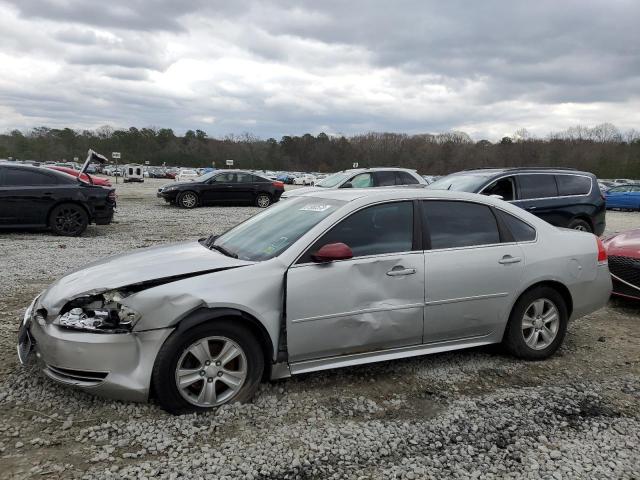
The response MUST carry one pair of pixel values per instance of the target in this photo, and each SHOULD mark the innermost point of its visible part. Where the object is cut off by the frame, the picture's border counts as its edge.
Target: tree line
(603, 149)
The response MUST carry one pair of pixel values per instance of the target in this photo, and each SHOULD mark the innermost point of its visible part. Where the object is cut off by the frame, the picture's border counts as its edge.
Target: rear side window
(19, 177)
(459, 224)
(376, 230)
(537, 186)
(521, 231)
(405, 178)
(385, 178)
(573, 184)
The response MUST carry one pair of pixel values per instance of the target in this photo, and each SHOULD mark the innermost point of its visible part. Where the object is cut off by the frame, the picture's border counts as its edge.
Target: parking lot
(475, 413)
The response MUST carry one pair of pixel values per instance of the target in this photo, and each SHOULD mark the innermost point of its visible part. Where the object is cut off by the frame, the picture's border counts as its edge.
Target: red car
(102, 182)
(624, 263)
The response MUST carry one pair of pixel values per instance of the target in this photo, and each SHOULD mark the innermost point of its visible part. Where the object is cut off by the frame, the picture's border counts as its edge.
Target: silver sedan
(324, 280)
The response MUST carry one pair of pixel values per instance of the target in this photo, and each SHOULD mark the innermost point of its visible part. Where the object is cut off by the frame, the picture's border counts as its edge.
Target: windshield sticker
(315, 207)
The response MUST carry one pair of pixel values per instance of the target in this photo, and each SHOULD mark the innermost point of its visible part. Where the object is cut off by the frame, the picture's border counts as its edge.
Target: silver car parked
(328, 279)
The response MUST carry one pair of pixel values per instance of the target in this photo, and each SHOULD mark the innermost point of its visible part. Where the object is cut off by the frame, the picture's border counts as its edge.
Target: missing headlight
(98, 313)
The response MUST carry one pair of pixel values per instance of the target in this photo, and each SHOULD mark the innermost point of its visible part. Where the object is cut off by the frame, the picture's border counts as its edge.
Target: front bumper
(169, 196)
(116, 366)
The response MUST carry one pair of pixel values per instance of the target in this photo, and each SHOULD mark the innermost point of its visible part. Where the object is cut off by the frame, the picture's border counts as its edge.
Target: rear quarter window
(573, 184)
(521, 231)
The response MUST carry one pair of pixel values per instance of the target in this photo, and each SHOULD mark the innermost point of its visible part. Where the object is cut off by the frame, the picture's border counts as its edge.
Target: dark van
(563, 197)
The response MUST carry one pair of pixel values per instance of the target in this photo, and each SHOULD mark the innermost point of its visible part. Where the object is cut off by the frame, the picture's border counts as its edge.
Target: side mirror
(332, 252)
(347, 185)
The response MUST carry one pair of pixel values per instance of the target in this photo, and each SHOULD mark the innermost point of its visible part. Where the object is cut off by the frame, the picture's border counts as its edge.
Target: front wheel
(207, 366)
(537, 324)
(187, 200)
(263, 200)
(68, 220)
(580, 225)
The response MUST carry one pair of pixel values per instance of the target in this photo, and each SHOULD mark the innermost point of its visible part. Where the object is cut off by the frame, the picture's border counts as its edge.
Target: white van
(133, 173)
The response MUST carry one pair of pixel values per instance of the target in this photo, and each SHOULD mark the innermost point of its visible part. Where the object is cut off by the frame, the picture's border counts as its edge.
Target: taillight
(602, 252)
(278, 184)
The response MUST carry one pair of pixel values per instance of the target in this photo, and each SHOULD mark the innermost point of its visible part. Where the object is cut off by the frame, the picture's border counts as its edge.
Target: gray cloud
(277, 67)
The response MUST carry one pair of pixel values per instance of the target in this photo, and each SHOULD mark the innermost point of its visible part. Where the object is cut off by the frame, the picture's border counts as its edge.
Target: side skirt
(390, 354)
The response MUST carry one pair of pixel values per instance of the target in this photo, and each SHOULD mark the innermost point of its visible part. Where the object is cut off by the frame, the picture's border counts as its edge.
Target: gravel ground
(469, 414)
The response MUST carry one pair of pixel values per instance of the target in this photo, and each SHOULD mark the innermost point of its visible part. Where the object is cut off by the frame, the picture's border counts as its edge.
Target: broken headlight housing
(101, 313)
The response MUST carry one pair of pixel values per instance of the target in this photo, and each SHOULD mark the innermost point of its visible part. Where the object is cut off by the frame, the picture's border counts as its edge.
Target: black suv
(34, 197)
(563, 197)
(223, 186)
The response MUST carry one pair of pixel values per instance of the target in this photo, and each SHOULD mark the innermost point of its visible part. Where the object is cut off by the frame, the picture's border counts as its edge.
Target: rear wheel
(187, 200)
(207, 366)
(580, 225)
(68, 220)
(537, 324)
(263, 200)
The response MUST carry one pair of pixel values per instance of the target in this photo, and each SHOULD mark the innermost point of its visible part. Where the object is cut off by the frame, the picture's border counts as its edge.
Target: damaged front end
(99, 313)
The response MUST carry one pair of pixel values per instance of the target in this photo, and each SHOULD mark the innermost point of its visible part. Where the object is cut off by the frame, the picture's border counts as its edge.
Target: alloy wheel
(263, 201)
(189, 200)
(211, 371)
(540, 324)
(69, 220)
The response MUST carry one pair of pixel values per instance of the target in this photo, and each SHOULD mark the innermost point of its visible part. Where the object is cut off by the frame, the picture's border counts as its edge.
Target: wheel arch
(584, 218)
(556, 285)
(72, 202)
(204, 314)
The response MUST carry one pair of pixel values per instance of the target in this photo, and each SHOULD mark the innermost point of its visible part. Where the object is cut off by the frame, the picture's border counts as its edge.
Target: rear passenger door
(538, 194)
(472, 270)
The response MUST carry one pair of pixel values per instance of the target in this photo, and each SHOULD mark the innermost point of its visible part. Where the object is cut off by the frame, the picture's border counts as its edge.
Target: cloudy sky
(288, 67)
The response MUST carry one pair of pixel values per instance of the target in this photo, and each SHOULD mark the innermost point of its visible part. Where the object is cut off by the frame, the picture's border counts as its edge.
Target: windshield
(459, 183)
(333, 180)
(271, 232)
(206, 176)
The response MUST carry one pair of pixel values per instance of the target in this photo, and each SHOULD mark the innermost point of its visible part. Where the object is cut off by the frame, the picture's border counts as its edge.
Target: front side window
(537, 186)
(23, 177)
(376, 230)
(573, 184)
(363, 180)
(454, 224)
(225, 178)
(503, 188)
(274, 230)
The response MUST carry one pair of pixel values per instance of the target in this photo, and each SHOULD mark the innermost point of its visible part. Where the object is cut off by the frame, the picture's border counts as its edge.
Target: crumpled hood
(142, 265)
(625, 244)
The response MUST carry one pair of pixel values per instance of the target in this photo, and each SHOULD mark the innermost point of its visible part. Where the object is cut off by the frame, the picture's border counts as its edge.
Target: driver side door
(218, 189)
(370, 302)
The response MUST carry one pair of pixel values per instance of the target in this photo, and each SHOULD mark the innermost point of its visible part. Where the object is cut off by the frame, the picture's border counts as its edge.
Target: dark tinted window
(521, 231)
(19, 176)
(405, 178)
(459, 224)
(537, 186)
(386, 228)
(573, 185)
(385, 178)
(258, 179)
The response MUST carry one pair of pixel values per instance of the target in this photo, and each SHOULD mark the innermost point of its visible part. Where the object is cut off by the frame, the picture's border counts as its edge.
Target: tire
(175, 355)
(188, 199)
(263, 200)
(581, 225)
(524, 312)
(68, 220)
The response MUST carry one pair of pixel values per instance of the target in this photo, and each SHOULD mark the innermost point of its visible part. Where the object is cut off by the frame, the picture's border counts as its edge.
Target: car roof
(497, 171)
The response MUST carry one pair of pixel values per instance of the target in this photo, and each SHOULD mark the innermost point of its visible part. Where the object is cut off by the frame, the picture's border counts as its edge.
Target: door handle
(400, 271)
(507, 259)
